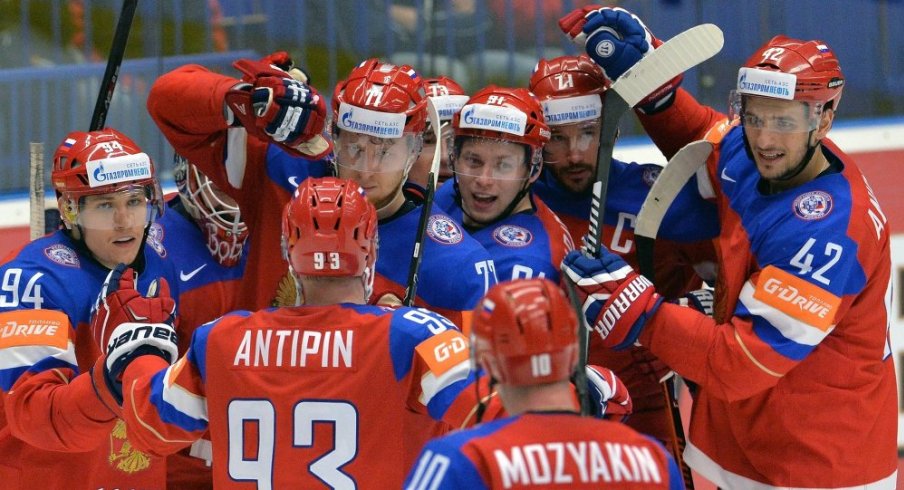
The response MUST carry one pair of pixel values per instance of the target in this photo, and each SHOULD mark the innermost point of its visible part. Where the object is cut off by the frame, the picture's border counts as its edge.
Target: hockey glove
(616, 40)
(284, 62)
(615, 300)
(698, 299)
(272, 105)
(608, 395)
(126, 325)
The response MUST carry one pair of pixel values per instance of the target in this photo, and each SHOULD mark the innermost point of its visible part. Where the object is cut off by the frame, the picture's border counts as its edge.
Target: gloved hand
(608, 395)
(282, 60)
(698, 299)
(615, 300)
(616, 40)
(272, 105)
(126, 325)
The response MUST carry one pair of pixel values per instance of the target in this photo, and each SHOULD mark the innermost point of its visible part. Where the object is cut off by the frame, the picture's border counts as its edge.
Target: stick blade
(676, 173)
(675, 56)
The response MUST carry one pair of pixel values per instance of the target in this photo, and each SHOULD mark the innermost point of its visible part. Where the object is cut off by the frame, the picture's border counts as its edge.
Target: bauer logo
(797, 298)
(493, 118)
(572, 109)
(443, 230)
(766, 83)
(813, 205)
(115, 170)
(371, 123)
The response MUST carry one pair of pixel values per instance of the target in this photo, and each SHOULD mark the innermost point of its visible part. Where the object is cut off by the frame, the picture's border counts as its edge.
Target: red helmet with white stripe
(382, 87)
(509, 114)
(816, 72)
(567, 76)
(524, 332)
(330, 229)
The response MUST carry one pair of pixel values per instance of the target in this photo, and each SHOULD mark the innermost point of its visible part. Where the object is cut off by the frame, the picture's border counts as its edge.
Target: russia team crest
(513, 236)
(155, 239)
(443, 230)
(812, 205)
(63, 255)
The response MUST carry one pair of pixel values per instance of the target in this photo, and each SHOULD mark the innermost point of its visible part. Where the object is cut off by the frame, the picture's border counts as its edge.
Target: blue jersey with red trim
(545, 450)
(299, 397)
(51, 285)
(523, 245)
(800, 336)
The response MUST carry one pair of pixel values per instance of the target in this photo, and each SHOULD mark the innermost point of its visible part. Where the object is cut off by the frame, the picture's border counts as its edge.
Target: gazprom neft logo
(572, 109)
(118, 169)
(495, 118)
(371, 123)
(773, 84)
(448, 105)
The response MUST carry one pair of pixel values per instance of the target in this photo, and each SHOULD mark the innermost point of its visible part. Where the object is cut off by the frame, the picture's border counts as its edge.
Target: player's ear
(825, 123)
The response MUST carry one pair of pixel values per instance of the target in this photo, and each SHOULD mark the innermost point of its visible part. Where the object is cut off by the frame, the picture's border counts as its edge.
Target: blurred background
(53, 52)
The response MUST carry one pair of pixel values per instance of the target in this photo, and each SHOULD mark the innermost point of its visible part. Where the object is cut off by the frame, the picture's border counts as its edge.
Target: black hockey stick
(114, 62)
(418, 253)
(672, 58)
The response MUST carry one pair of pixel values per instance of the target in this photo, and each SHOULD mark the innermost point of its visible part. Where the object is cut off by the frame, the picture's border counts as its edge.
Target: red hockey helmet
(816, 73)
(447, 95)
(524, 332)
(509, 114)
(569, 88)
(440, 86)
(330, 229)
(385, 88)
(102, 162)
(217, 214)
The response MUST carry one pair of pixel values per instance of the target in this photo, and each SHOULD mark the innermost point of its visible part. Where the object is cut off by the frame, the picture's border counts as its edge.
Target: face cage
(74, 214)
(804, 121)
(220, 220)
(363, 153)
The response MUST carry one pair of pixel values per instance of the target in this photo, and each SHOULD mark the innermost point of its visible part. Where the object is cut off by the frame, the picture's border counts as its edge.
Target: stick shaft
(114, 62)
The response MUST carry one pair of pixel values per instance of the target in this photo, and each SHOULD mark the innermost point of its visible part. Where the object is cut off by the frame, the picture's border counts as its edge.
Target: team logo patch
(155, 239)
(513, 236)
(63, 255)
(650, 175)
(443, 230)
(813, 205)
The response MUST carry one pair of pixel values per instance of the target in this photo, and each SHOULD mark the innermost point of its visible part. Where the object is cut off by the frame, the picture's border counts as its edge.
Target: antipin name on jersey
(311, 349)
(576, 462)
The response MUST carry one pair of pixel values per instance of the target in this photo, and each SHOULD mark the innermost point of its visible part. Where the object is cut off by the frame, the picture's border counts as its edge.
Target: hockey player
(57, 433)
(240, 157)
(799, 342)
(379, 115)
(499, 136)
(523, 336)
(571, 89)
(448, 97)
(329, 386)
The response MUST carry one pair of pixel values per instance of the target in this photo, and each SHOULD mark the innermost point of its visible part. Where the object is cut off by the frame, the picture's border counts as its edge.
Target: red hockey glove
(274, 106)
(616, 39)
(126, 325)
(284, 62)
(609, 395)
(616, 301)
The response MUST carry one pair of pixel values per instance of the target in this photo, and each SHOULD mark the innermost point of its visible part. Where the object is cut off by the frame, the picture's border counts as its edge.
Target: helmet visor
(126, 208)
(772, 114)
(576, 137)
(491, 158)
(364, 153)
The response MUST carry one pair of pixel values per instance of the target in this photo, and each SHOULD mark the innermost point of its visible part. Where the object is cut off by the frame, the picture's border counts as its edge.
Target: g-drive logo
(767, 83)
(118, 169)
(372, 123)
(496, 118)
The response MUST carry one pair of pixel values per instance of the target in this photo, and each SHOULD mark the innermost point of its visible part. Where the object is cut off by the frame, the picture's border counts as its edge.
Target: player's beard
(566, 177)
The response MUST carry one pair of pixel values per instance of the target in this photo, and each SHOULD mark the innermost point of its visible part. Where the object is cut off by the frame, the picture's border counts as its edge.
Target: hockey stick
(36, 194)
(669, 60)
(676, 173)
(417, 253)
(579, 375)
(672, 58)
(114, 62)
